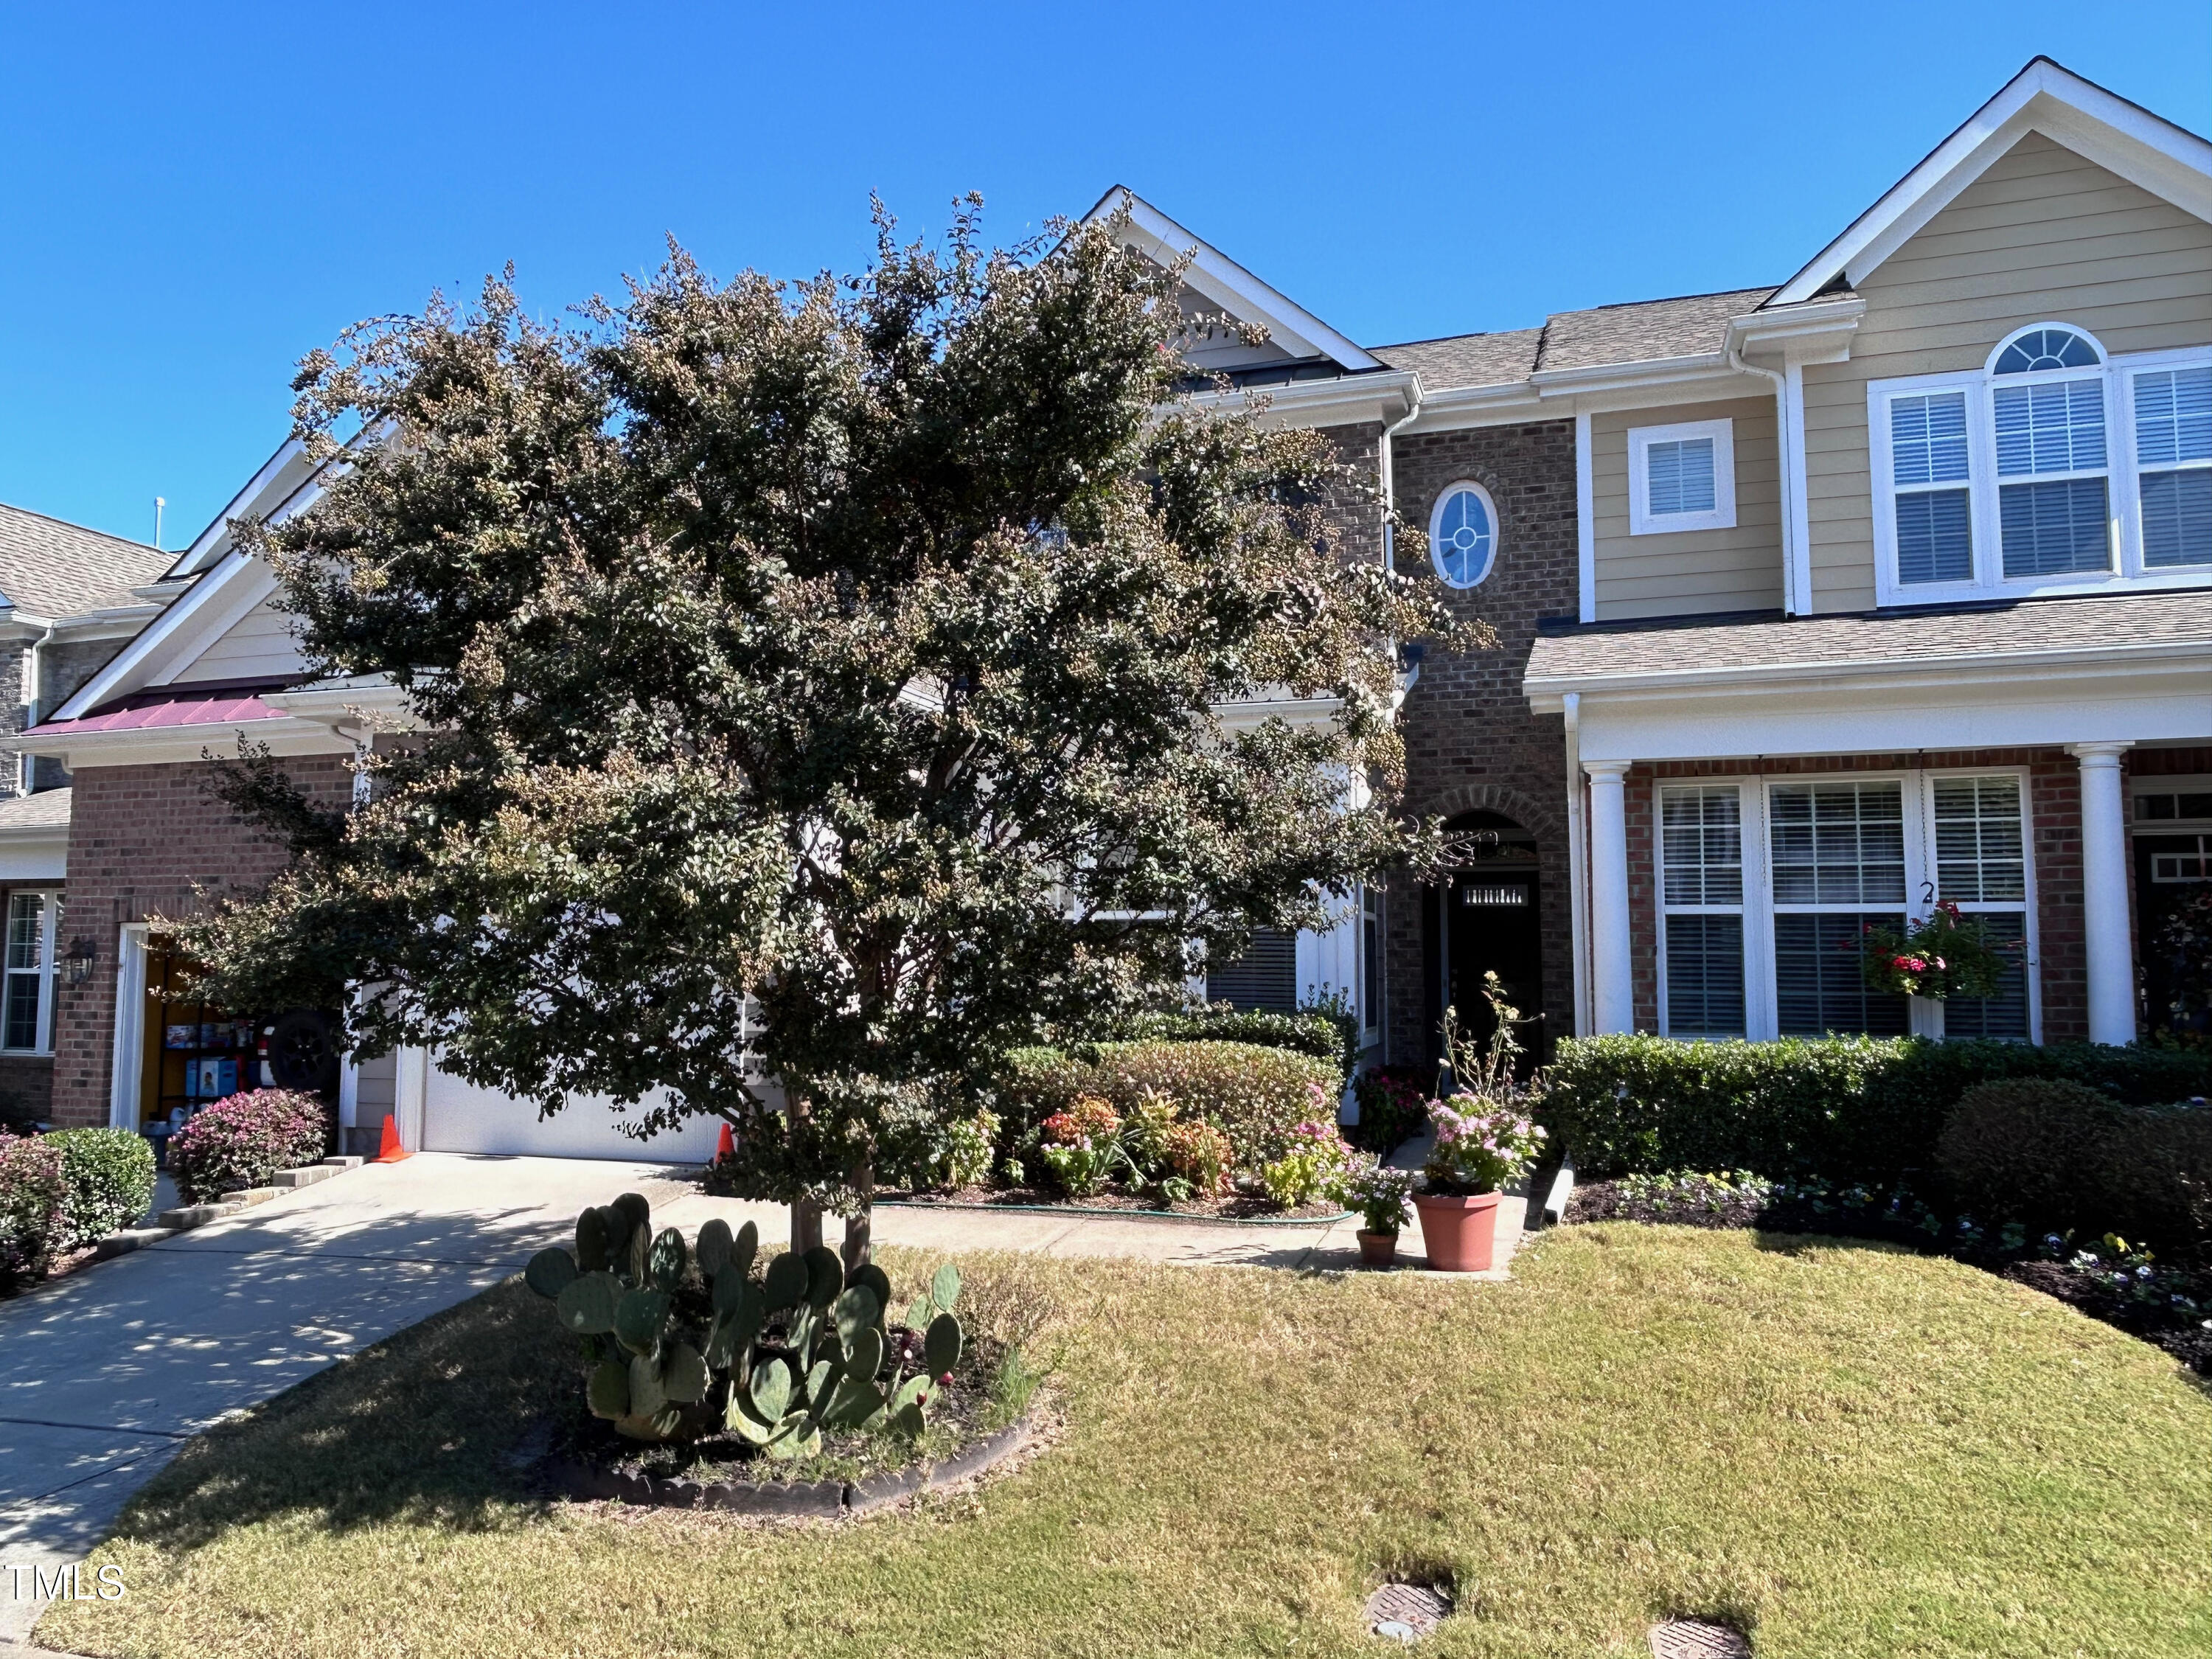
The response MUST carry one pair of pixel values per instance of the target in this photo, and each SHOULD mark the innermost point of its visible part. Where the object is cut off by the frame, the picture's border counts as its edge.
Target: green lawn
(1848, 1450)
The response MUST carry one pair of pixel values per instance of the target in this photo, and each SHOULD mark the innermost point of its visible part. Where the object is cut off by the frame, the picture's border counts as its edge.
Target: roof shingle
(50, 568)
(2101, 621)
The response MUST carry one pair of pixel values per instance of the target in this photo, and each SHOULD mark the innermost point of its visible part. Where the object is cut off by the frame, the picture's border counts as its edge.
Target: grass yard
(1849, 1451)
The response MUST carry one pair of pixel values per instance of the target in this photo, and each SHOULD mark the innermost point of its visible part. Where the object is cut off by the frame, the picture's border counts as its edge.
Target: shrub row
(61, 1191)
(1308, 1032)
(243, 1140)
(1254, 1094)
(1845, 1108)
(2059, 1157)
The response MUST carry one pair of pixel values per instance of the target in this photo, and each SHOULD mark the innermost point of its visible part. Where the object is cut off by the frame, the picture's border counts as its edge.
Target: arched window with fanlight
(2056, 465)
(1463, 534)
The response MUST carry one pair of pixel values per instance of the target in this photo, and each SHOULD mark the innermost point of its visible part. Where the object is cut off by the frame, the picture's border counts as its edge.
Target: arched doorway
(1489, 920)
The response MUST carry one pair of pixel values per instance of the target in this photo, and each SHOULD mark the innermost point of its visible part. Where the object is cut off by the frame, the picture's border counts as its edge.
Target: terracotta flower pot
(1458, 1234)
(1376, 1249)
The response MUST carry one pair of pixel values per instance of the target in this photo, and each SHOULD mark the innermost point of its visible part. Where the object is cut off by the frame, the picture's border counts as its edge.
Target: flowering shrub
(1145, 1133)
(1199, 1155)
(1082, 1145)
(109, 1173)
(1317, 1162)
(1481, 1144)
(1251, 1093)
(34, 1196)
(1944, 955)
(1393, 1106)
(242, 1141)
(1379, 1194)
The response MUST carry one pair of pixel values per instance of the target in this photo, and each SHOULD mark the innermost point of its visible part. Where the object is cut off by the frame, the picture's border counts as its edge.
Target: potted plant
(1483, 1140)
(1379, 1194)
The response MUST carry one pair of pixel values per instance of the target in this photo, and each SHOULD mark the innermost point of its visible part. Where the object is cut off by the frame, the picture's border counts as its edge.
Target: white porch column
(1613, 977)
(2106, 931)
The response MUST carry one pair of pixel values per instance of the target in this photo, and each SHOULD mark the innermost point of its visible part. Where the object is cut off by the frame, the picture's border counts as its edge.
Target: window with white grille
(1681, 477)
(1981, 865)
(2054, 467)
(1836, 850)
(1701, 882)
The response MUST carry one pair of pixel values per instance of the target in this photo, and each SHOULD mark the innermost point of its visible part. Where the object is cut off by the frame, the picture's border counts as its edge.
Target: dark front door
(2169, 868)
(1491, 924)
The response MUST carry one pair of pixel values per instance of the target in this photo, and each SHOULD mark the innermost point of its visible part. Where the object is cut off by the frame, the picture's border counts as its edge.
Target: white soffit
(1225, 283)
(2169, 162)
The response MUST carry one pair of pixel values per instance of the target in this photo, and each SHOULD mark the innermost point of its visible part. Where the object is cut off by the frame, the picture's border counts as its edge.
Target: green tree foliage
(824, 667)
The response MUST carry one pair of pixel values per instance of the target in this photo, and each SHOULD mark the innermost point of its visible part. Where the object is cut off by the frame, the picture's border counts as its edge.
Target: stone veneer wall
(1471, 742)
(143, 841)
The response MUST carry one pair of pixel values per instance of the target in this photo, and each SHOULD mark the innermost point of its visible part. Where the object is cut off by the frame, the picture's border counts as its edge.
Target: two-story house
(1816, 603)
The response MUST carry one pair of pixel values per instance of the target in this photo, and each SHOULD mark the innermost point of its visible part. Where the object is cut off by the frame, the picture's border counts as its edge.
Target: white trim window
(1701, 885)
(1463, 534)
(2053, 467)
(27, 1003)
(1767, 886)
(1370, 966)
(1681, 477)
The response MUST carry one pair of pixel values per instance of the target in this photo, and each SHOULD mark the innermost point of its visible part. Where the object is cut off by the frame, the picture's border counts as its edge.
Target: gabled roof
(1223, 282)
(1648, 331)
(2170, 161)
(50, 568)
(1467, 359)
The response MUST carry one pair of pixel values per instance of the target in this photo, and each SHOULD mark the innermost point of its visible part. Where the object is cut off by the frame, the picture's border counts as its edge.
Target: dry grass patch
(1849, 1451)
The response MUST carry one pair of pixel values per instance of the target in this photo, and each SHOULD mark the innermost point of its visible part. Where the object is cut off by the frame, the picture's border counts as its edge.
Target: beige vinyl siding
(258, 645)
(1683, 573)
(2043, 235)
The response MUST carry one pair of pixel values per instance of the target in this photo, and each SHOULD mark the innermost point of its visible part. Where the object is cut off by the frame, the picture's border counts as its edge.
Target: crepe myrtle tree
(820, 669)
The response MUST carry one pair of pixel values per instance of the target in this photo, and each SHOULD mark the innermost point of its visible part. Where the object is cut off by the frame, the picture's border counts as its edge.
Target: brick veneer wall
(1471, 742)
(2055, 818)
(144, 840)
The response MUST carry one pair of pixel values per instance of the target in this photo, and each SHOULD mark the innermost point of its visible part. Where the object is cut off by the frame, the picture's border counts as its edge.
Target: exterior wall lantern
(81, 955)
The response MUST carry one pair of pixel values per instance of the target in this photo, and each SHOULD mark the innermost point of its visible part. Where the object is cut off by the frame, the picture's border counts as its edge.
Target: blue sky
(196, 196)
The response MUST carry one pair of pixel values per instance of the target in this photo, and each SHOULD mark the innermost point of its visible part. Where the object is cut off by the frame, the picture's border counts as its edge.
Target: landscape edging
(811, 1500)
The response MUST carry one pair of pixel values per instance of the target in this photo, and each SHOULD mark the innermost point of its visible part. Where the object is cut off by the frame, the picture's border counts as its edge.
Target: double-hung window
(1681, 476)
(1701, 885)
(1768, 886)
(2053, 466)
(27, 1002)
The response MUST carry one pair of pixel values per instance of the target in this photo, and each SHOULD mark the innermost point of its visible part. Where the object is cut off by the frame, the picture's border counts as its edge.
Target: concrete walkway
(104, 1374)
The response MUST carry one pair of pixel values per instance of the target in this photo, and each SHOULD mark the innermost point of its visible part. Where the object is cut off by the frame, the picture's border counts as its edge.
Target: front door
(1493, 926)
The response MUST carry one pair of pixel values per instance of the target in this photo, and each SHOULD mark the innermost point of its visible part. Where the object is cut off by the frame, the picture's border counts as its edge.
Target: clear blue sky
(195, 195)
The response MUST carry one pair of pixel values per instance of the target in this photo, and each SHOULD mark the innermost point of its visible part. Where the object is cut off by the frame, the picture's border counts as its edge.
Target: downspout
(1578, 865)
(1390, 431)
(33, 667)
(1784, 471)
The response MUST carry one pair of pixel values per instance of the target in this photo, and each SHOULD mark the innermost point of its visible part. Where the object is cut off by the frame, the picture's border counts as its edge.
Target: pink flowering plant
(1314, 1165)
(243, 1140)
(1941, 956)
(1483, 1137)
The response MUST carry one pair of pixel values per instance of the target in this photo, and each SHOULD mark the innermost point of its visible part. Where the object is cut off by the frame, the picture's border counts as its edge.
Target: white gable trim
(1229, 285)
(230, 583)
(2147, 150)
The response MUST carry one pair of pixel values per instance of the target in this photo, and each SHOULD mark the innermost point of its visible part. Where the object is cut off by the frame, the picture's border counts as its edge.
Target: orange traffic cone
(391, 1152)
(727, 1147)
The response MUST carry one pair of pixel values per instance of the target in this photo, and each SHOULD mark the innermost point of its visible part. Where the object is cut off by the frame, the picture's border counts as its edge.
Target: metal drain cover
(1693, 1638)
(1405, 1612)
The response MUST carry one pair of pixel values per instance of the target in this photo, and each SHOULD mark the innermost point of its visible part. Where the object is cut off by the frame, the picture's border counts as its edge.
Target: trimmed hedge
(110, 1176)
(242, 1140)
(1844, 1108)
(33, 1193)
(2060, 1157)
(1253, 1094)
(1310, 1032)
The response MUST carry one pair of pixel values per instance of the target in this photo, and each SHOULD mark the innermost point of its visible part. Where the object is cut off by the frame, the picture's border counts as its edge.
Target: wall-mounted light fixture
(81, 955)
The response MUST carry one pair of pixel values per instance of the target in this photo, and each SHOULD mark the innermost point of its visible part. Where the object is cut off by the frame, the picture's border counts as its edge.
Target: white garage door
(460, 1117)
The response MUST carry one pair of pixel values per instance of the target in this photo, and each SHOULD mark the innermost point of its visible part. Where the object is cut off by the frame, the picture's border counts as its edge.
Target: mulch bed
(1237, 1206)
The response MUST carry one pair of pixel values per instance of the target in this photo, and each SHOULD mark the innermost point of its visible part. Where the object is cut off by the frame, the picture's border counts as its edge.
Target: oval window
(1463, 535)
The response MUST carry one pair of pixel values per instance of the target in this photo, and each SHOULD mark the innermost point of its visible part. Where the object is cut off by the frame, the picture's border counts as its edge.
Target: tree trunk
(858, 1226)
(805, 1223)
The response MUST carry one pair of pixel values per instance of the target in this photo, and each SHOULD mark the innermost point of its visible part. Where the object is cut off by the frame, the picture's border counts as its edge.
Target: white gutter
(1793, 603)
(1578, 872)
(1389, 468)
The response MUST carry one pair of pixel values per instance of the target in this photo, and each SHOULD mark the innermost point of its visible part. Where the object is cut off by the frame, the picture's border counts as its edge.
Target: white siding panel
(258, 645)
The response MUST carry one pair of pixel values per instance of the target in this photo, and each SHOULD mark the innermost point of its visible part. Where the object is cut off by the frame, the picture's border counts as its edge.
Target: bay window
(2053, 467)
(1767, 886)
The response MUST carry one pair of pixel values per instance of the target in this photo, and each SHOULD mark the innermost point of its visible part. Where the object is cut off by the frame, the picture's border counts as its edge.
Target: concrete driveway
(103, 1374)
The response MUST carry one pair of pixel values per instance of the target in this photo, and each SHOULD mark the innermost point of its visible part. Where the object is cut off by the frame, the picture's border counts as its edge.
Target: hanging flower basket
(1942, 956)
